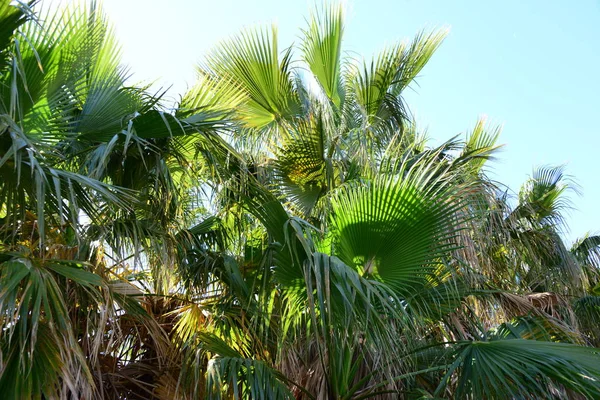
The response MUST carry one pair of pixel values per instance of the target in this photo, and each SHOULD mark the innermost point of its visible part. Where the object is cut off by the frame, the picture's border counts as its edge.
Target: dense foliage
(284, 232)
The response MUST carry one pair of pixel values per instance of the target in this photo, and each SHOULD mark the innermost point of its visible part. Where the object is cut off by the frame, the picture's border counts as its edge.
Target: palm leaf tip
(321, 49)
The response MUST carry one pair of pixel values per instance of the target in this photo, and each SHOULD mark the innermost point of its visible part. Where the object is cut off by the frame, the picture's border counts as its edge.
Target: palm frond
(244, 378)
(512, 368)
(322, 51)
(251, 62)
(543, 197)
(480, 145)
(37, 330)
(587, 310)
(301, 167)
(12, 17)
(395, 228)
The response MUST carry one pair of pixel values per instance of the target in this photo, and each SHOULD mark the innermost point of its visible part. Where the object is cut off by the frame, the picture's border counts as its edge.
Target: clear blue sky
(532, 66)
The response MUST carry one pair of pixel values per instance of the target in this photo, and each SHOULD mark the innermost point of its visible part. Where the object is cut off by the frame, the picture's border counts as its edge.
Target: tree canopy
(285, 231)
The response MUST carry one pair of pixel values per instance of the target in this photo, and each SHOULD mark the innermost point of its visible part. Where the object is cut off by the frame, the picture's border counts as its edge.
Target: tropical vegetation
(284, 231)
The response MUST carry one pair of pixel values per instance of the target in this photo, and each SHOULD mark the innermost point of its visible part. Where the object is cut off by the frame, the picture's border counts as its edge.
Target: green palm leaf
(542, 197)
(245, 378)
(397, 227)
(251, 62)
(518, 368)
(480, 146)
(322, 50)
(12, 16)
(37, 329)
(300, 167)
(379, 84)
(587, 310)
(587, 252)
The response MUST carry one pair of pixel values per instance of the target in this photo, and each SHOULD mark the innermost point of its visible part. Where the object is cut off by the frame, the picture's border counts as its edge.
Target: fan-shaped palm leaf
(252, 63)
(518, 368)
(397, 227)
(301, 169)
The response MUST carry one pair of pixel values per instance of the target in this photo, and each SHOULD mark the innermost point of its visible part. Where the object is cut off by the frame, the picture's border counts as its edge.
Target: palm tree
(68, 124)
(285, 233)
(334, 143)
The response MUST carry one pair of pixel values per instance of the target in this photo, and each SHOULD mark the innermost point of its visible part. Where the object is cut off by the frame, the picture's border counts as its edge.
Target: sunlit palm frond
(52, 194)
(322, 51)
(12, 17)
(38, 331)
(379, 85)
(379, 107)
(210, 95)
(480, 145)
(251, 61)
(396, 227)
